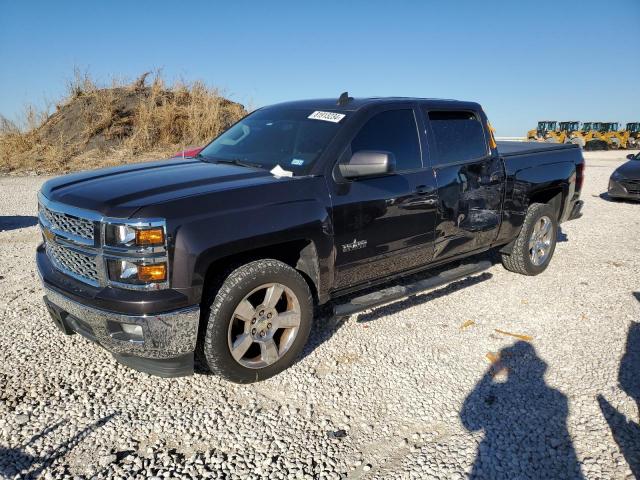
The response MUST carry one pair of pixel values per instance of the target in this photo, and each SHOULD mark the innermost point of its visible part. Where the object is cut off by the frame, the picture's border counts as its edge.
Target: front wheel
(258, 322)
(535, 244)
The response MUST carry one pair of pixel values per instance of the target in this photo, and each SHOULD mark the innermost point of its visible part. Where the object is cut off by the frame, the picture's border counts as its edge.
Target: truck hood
(121, 191)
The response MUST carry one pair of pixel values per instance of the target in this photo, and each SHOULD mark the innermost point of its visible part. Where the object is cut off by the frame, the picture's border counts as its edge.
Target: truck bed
(510, 149)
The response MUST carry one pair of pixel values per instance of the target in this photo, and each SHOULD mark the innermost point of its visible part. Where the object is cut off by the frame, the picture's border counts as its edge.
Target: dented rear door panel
(470, 194)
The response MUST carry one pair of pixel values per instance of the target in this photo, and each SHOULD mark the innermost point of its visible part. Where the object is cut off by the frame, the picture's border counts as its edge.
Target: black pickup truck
(225, 254)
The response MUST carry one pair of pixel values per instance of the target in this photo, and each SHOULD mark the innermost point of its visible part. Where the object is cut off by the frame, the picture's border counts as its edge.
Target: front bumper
(165, 347)
(618, 190)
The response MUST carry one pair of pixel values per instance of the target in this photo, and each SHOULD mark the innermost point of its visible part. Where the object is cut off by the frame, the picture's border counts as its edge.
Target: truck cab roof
(355, 104)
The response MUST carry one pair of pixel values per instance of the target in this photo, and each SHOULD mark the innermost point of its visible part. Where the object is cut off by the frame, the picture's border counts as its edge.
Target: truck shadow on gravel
(422, 298)
(626, 431)
(327, 324)
(17, 462)
(14, 222)
(523, 419)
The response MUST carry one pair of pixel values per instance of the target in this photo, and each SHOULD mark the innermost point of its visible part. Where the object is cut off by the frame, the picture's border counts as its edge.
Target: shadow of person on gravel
(523, 419)
(626, 431)
(16, 461)
(629, 373)
(13, 222)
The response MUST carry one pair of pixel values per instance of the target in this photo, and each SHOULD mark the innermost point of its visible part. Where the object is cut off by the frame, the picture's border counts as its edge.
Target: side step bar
(397, 292)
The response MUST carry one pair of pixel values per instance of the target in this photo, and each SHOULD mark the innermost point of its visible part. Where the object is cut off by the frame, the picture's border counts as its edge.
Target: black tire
(594, 145)
(519, 260)
(240, 282)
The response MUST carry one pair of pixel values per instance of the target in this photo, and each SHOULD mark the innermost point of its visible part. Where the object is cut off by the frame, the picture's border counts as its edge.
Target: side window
(459, 136)
(393, 131)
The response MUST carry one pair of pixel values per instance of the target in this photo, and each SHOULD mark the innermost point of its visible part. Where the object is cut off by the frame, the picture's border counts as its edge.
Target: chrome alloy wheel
(264, 325)
(540, 241)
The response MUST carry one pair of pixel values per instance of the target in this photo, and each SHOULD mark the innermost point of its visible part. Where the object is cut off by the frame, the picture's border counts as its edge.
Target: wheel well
(552, 197)
(298, 254)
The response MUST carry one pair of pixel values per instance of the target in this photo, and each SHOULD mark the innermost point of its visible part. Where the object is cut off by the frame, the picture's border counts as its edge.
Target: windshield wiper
(236, 161)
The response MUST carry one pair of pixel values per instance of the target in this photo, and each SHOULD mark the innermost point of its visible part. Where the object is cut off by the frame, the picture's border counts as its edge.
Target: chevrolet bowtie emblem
(48, 234)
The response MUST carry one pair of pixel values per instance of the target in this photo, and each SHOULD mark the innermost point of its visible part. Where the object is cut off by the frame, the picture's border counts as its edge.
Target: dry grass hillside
(97, 126)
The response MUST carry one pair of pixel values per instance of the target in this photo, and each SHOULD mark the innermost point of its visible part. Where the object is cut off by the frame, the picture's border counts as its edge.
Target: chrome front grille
(632, 186)
(74, 244)
(74, 263)
(68, 224)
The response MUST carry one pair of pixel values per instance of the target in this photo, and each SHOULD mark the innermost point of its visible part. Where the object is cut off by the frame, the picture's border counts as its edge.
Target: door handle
(493, 179)
(429, 192)
(424, 189)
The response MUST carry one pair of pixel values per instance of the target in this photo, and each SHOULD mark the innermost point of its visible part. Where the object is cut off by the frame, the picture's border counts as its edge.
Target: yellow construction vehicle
(569, 132)
(633, 128)
(587, 137)
(610, 133)
(542, 133)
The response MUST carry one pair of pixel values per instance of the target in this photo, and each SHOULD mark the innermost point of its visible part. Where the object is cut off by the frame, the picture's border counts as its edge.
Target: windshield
(590, 126)
(568, 126)
(546, 126)
(290, 138)
(633, 127)
(609, 127)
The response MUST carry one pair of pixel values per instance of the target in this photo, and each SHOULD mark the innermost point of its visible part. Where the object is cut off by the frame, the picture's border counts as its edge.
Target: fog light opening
(126, 332)
(133, 330)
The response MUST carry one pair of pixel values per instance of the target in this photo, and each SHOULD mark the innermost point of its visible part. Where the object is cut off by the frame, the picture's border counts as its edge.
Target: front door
(470, 179)
(384, 225)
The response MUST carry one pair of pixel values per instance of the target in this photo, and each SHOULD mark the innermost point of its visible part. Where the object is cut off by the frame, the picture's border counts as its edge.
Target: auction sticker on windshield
(327, 116)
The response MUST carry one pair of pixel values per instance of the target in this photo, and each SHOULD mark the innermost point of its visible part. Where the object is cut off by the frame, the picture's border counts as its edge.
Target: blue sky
(523, 60)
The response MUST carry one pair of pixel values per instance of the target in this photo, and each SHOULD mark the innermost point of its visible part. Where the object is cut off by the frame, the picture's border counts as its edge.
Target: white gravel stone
(409, 384)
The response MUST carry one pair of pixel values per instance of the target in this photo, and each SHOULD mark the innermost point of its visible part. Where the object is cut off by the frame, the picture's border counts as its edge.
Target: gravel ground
(435, 386)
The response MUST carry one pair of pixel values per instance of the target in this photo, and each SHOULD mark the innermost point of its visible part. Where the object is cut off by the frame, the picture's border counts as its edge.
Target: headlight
(132, 236)
(136, 272)
(136, 253)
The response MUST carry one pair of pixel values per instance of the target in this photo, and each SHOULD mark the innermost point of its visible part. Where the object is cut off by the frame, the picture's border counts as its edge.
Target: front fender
(212, 225)
(201, 243)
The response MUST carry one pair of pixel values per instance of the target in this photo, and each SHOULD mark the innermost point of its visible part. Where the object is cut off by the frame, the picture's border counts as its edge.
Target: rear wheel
(533, 248)
(259, 322)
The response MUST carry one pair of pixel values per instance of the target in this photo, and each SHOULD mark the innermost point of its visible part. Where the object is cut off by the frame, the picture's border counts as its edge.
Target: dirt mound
(97, 127)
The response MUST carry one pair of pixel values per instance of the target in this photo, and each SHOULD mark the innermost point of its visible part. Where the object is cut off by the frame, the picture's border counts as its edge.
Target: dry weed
(126, 122)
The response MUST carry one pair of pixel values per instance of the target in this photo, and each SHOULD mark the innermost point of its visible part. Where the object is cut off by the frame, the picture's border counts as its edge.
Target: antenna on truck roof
(344, 99)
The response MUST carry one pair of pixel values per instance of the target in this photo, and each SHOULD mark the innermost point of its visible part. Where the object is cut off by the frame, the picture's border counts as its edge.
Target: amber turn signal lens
(150, 236)
(152, 273)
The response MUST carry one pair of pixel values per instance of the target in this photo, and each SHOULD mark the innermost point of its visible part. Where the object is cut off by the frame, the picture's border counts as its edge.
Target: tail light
(492, 138)
(579, 175)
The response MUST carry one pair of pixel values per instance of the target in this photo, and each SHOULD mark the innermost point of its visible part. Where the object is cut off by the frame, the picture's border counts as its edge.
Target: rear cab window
(458, 136)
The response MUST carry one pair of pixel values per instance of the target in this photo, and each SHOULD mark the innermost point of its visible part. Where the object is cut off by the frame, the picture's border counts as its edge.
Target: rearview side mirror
(367, 163)
(632, 156)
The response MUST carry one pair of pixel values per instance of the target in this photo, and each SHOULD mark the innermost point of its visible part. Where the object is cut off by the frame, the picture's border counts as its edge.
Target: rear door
(470, 180)
(384, 225)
